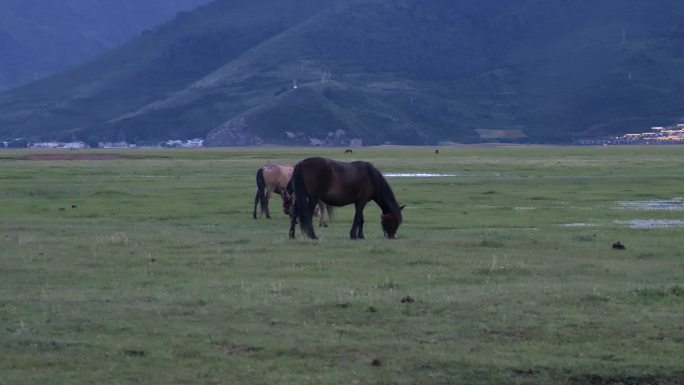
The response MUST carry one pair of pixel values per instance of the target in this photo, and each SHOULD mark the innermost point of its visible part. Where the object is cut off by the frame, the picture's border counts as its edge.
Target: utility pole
(327, 75)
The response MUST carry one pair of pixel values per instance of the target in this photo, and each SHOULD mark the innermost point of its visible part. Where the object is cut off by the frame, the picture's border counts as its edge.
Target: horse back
(337, 183)
(276, 176)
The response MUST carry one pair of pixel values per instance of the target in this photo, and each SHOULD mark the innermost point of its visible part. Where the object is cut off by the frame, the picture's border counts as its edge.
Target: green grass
(148, 269)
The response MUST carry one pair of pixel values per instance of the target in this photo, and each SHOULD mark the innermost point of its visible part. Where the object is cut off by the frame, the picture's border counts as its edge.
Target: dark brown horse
(339, 184)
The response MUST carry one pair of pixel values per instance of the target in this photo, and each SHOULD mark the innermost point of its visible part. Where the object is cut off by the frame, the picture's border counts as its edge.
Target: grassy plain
(145, 267)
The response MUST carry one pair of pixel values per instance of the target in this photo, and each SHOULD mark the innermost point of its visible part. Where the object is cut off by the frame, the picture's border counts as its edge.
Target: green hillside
(41, 37)
(372, 71)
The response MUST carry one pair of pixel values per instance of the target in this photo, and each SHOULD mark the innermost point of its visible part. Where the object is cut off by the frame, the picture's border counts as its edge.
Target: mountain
(372, 72)
(40, 37)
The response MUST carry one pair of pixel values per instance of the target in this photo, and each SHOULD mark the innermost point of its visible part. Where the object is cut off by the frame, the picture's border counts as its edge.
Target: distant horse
(339, 184)
(270, 179)
(348, 151)
(273, 178)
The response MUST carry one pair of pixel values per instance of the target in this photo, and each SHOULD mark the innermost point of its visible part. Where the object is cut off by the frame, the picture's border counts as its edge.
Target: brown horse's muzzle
(390, 225)
(287, 206)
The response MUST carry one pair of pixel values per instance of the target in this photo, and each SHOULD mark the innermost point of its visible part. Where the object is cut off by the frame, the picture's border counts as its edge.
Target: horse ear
(402, 207)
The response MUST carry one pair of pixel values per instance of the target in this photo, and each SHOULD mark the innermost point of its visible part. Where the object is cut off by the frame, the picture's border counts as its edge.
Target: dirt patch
(72, 156)
(230, 350)
(596, 379)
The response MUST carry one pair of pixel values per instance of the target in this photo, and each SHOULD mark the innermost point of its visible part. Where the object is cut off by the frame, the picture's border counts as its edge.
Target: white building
(74, 145)
(192, 143)
(45, 145)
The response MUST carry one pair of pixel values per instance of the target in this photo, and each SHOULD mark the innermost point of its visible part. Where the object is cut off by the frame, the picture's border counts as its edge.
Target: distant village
(657, 135)
(76, 144)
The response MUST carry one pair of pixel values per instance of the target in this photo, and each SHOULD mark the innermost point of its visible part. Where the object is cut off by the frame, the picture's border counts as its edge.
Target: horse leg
(268, 198)
(311, 208)
(256, 202)
(359, 233)
(321, 218)
(357, 227)
(293, 220)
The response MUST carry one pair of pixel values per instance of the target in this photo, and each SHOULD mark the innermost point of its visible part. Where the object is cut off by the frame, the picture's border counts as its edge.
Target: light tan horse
(272, 178)
(269, 179)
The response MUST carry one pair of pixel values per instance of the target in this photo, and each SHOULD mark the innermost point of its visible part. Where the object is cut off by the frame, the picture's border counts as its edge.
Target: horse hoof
(324, 225)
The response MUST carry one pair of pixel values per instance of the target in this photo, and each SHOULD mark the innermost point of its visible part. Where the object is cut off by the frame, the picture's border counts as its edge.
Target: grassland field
(146, 267)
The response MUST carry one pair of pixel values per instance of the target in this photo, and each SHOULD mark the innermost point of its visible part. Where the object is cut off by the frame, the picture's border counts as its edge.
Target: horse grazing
(288, 206)
(273, 178)
(348, 151)
(270, 179)
(339, 184)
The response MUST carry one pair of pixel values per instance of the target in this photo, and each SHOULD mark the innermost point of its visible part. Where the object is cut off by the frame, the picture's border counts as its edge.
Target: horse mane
(330, 209)
(384, 196)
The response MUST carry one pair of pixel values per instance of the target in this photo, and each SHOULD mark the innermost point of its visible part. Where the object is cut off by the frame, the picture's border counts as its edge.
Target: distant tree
(93, 142)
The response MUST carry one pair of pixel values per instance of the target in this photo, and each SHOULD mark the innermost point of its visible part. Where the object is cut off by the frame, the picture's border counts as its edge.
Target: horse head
(287, 202)
(390, 224)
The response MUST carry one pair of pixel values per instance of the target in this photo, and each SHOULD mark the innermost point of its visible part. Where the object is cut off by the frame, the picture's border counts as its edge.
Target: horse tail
(301, 201)
(330, 209)
(260, 197)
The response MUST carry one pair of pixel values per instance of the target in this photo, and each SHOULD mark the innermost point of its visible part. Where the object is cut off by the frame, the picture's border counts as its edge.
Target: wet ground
(652, 223)
(675, 204)
(416, 175)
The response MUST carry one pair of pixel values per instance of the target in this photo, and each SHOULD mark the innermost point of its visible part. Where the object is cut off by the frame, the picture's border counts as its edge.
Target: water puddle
(675, 204)
(416, 175)
(577, 225)
(652, 223)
